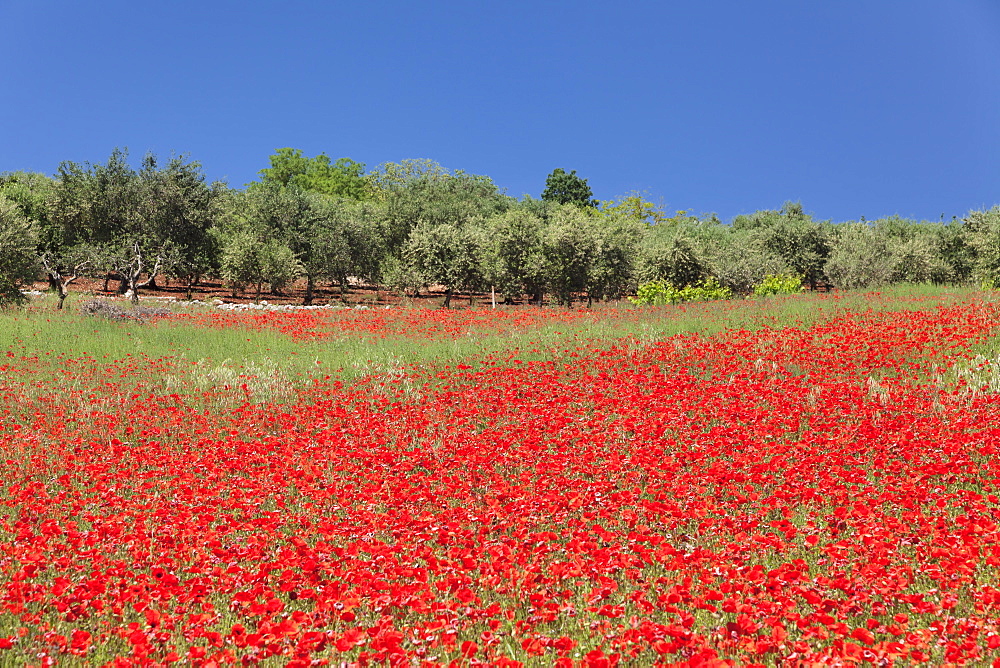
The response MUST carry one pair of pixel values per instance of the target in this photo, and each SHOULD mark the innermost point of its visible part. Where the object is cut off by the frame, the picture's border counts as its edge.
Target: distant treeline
(414, 224)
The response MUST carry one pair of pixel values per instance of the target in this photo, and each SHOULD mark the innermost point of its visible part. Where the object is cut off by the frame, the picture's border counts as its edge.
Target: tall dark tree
(568, 188)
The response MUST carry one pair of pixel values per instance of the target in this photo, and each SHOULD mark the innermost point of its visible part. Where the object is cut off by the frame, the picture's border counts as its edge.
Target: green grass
(54, 336)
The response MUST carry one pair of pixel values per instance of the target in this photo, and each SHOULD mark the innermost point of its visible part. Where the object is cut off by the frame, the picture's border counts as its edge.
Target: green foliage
(180, 210)
(34, 195)
(618, 238)
(431, 222)
(638, 241)
(513, 260)
(446, 255)
(249, 261)
(18, 262)
(708, 290)
(569, 248)
(421, 191)
(344, 240)
(568, 188)
(956, 250)
(343, 178)
(982, 229)
(673, 256)
(261, 230)
(32, 192)
(894, 250)
(779, 284)
(132, 223)
(415, 223)
(803, 244)
(918, 260)
(635, 206)
(860, 259)
(393, 176)
(915, 249)
(658, 293)
(100, 205)
(562, 249)
(400, 275)
(653, 293)
(741, 260)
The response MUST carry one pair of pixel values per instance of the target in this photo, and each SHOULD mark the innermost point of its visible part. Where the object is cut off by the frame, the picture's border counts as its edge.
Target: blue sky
(855, 108)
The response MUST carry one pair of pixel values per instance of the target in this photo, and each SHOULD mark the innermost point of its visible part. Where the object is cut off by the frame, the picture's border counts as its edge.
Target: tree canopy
(564, 187)
(414, 225)
(343, 178)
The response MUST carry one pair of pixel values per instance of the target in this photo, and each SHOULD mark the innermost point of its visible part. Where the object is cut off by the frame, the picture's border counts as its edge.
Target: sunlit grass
(43, 331)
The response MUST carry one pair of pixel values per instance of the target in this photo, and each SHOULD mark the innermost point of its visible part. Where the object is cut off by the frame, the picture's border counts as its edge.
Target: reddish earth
(214, 289)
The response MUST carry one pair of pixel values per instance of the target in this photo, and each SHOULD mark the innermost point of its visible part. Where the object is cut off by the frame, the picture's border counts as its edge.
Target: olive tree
(741, 260)
(182, 215)
(919, 260)
(792, 235)
(955, 247)
(673, 256)
(60, 259)
(132, 224)
(446, 254)
(614, 267)
(343, 242)
(257, 231)
(982, 229)
(421, 191)
(570, 247)
(513, 259)
(18, 260)
(860, 258)
(247, 260)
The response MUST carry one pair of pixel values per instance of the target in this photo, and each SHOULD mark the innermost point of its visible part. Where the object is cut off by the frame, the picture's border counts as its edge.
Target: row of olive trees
(414, 224)
(853, 255)
(114, 221)
(410, 224)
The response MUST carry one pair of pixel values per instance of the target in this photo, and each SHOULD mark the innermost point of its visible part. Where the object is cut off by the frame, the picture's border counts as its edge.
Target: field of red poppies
(784, 494)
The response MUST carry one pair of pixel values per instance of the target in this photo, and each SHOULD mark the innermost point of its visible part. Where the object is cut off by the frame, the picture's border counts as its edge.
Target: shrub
(779, 284)
(744, 262)
(659, 293)
(110, 311)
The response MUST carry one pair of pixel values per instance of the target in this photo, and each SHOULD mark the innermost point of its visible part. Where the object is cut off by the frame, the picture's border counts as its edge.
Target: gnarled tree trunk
(132, 272)
(59, 281)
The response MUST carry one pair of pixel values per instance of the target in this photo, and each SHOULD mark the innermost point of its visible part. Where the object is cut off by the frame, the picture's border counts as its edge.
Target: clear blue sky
(856, 108)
